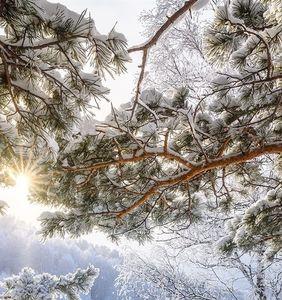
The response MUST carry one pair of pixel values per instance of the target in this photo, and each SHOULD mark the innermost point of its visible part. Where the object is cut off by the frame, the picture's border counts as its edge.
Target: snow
(52, 144)
(49, 11)
(65, 163)
(221, 243)
(200, 4)
(233, 19)
(258, 207)
(87, 127)
(240, 235)
(6, 127)
(46, 215)
(114, 35)
(123, 55)
(29, 87)
(29, 285)
(244, 49)
(149, 128)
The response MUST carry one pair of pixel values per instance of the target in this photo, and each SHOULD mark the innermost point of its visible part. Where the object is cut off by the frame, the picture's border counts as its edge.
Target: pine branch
(222, 162)
(133, 158)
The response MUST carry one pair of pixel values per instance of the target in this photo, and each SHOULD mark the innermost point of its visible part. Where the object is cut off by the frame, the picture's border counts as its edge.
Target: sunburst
(27, 179)
(22, 184)
(26, 173)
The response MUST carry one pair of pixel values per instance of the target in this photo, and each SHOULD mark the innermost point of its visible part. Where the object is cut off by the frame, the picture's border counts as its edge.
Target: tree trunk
(260, 280)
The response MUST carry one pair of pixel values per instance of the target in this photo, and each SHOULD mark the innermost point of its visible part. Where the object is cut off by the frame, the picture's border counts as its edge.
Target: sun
(26, 179)
(26, 175)
(23, 182)
(20, 193)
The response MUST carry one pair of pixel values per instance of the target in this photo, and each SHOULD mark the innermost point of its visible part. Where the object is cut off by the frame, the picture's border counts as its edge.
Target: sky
(125, 15)
(106, 13)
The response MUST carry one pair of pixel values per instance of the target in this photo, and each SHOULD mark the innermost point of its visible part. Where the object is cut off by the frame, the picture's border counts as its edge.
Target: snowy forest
(141, 165)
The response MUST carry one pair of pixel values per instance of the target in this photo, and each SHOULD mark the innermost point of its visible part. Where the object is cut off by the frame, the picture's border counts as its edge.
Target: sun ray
(26, 180)
(22, 185)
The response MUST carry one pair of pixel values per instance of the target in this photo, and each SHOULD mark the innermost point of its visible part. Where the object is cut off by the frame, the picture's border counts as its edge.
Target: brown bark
(222, 162)
(122, 161)
(170, 20)
(152, 41)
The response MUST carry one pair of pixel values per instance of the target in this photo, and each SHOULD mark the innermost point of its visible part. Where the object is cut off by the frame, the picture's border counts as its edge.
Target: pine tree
(46, 94)
(44, 87)
(31, 286)
(143, 168)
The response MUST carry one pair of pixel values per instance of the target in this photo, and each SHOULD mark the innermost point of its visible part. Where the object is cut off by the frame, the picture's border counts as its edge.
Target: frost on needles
(160, 160)
(44, 87)
(45, 91)
(144, 168)
(31, 286)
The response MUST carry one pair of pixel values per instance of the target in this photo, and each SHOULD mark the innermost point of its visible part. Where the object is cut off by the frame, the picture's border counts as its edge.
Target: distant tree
(240, 273)
(178, 59)
(160, 278)
(21, 247)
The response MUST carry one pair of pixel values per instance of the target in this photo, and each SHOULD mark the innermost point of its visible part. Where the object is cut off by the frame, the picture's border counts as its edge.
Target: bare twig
(170, 20)
(151, 42)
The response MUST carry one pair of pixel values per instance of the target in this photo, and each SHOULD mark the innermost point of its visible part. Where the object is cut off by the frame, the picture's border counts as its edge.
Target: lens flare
(22, 185)
(26, 180)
